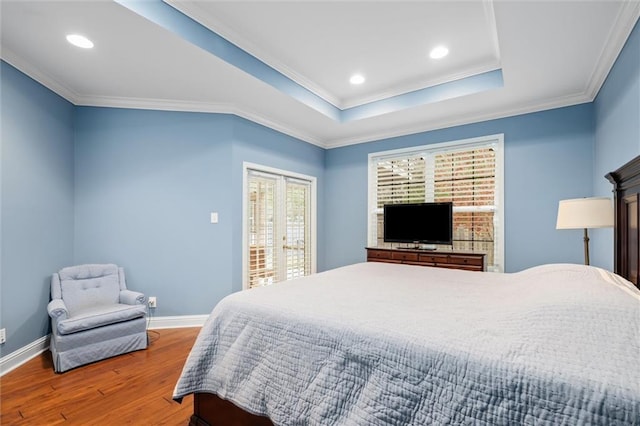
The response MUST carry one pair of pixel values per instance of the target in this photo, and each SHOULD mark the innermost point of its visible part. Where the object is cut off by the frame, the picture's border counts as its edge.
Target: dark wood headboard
(626, 190)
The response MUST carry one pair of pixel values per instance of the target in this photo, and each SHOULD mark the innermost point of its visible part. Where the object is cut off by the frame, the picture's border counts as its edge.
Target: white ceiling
(551, 54)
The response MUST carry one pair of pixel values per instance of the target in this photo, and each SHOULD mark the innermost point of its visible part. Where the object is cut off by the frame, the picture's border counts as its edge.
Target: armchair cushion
(99, 316)
(87, 286)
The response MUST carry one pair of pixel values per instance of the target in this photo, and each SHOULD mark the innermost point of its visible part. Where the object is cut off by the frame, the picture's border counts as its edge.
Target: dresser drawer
(466, 260)
(404, 256)
(378, 254)
(432, 258)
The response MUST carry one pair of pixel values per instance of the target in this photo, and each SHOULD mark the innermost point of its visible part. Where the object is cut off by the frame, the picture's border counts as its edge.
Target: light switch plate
(214, 217)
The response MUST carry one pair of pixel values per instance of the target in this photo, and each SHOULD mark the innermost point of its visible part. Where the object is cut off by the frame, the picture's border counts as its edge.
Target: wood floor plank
(134, 388)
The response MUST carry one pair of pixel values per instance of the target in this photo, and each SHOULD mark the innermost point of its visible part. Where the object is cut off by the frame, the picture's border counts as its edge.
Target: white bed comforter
(383, 344)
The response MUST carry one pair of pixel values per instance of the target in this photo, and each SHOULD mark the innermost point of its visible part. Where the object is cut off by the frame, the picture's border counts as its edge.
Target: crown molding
(416, 85)
(560, 102)
(628, 15)
(279, 127)
(153, 104)
(217, 108)
(25, 67)
(195, 106)
(490, 13)
(35, 73)
(253, 116)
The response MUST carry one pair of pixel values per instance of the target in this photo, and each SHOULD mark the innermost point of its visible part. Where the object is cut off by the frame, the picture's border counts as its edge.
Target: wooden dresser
(444, 259)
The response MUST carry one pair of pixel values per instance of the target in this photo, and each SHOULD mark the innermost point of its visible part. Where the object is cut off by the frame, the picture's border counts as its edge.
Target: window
(279, 226)
(467, 173)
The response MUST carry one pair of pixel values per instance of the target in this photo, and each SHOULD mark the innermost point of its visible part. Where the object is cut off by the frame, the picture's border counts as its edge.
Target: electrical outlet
(3, 335)
(152, 302)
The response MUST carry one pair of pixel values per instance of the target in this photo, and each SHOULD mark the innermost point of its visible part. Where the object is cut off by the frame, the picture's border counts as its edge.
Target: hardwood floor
(133, 388)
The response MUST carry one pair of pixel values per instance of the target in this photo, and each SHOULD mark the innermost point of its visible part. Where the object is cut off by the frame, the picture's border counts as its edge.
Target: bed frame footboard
(211, 410)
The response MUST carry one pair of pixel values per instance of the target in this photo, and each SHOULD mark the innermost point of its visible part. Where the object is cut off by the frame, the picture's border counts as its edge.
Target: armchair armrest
(57, 309)
(129, 297)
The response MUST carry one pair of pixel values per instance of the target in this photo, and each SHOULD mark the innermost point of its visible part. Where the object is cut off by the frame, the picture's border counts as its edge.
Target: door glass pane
(296, 238)
(262, 223)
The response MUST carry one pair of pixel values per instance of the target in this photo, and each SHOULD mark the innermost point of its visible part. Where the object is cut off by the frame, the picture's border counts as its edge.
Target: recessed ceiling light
(439, 52)
(356, 79)
(80, 41)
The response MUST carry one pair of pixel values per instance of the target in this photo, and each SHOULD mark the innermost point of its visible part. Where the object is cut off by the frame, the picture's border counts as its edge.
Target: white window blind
(466, 173)
(401, 180)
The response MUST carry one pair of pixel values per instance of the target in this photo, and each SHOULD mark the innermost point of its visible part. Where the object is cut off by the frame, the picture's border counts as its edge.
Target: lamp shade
(585, 213)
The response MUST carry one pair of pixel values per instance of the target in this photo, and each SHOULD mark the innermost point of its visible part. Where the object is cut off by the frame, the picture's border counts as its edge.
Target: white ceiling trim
(491, 19)
(287, 130)
(564, 101)
(201, 107)
(153, 104)
(191, 106)
(424, 84)
(29, 69)
(150, 104)
(625, 21)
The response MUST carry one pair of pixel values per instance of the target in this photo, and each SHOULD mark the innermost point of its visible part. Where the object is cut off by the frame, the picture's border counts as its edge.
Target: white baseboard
(177, 321)
(16, 358)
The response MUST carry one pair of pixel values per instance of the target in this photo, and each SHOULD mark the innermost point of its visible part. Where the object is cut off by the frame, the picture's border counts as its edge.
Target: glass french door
(278, 228)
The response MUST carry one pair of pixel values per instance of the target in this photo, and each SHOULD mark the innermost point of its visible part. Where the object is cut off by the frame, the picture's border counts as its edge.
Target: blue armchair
(94, 316)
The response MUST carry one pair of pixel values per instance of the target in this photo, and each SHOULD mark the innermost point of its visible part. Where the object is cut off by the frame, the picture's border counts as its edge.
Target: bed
(384, 344)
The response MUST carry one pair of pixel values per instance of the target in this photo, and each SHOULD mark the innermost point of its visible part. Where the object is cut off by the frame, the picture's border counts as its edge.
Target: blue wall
(548, 157)
(617, 132)
(146, 182)
(36, 214)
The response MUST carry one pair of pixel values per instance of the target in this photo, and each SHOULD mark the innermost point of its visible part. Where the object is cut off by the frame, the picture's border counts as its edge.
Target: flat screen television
(419, 223)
